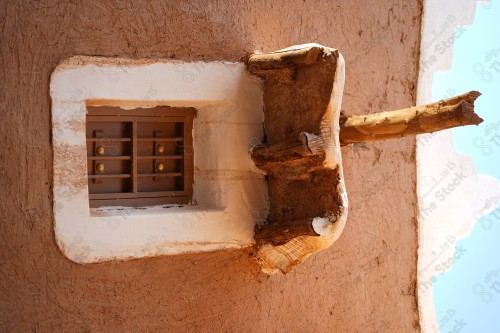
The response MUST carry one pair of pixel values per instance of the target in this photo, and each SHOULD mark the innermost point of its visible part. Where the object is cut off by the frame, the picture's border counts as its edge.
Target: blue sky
(467, 298)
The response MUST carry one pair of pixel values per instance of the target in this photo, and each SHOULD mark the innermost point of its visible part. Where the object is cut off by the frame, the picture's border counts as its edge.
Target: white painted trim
(443, 220)
(229, 191)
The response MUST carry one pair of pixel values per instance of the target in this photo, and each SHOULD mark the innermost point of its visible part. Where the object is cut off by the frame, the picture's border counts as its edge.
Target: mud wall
(364, 283)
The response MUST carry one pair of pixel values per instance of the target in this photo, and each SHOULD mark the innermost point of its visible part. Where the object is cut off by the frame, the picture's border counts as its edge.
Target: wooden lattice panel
(139, 157)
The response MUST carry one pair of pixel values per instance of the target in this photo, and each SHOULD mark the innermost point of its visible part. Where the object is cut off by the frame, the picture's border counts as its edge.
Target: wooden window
(139, 157)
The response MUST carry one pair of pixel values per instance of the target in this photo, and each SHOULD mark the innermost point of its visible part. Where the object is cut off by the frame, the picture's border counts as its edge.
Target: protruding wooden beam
(259, 63)
(306, 145)
(452, 112)
(307, 201)
(280, 233)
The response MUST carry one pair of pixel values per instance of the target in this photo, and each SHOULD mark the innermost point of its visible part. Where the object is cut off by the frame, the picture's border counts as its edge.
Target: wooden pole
(448, 113)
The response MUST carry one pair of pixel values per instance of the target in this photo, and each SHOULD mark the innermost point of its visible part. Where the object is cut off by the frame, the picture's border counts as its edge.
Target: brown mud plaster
(301, 126)
(43, 291)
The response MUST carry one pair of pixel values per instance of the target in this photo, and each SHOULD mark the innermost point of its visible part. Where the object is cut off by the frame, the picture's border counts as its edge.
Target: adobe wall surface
(364, 283)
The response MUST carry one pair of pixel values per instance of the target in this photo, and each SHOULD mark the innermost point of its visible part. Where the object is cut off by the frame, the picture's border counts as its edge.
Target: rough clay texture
(364, 283)
(296, 100)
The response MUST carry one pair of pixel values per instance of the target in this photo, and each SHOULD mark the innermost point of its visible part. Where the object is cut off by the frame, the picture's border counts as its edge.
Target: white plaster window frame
(229, 192)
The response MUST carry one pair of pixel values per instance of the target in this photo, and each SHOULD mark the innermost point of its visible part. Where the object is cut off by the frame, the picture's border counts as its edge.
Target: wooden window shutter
(139, 157)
